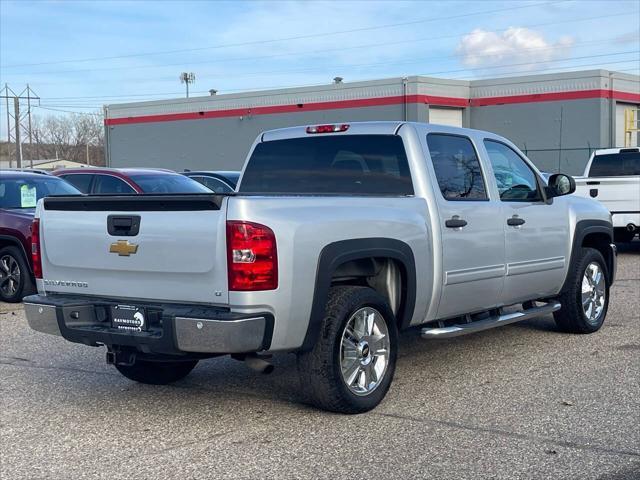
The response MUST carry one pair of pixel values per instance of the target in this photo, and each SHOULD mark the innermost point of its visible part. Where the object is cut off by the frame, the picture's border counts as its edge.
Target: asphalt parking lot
(523, 401)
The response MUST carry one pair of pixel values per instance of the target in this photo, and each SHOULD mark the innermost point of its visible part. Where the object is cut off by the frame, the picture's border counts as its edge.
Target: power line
(297, 37)
(386, 63)
(407, 62)
(502, 75)
(346, 66)
(306, 52)
(258, 89)
(69, 111)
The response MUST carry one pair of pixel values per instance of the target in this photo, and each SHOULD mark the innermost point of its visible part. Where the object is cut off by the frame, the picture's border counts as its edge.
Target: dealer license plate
(129, 317)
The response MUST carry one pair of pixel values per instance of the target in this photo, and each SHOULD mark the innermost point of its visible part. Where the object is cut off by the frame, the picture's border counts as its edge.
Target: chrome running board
(491, 322)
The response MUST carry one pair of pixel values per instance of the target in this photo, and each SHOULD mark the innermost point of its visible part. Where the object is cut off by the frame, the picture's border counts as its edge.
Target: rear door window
(106, 184)
(615, 165)
(330, 165)
(82, 181)
(457, 167)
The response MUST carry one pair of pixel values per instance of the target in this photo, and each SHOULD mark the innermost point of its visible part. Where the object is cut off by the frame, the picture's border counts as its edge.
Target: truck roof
(116, 171)
(609, 151)
(363, 128)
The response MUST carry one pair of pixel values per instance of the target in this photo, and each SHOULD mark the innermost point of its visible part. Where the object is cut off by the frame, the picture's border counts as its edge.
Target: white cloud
(516, 45)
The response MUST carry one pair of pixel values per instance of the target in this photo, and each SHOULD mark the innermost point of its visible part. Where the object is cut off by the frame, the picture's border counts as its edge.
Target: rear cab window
(615, 164)
(329, 165)
(457, 167)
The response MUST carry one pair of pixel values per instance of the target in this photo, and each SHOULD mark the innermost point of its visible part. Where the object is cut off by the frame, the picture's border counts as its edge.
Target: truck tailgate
(618, 194)
(177, 253)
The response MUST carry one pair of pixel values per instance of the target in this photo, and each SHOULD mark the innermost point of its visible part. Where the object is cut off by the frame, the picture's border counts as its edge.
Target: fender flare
(335, 254)
(584, 228)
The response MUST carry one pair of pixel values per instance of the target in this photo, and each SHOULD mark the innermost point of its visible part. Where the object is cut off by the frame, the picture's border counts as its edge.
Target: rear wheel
(585, 298)
(350, 368)
(15, 276)
(157, 373)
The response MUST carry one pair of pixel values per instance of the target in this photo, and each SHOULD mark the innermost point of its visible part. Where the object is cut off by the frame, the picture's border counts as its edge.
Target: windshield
(168, 184)
(25, 192)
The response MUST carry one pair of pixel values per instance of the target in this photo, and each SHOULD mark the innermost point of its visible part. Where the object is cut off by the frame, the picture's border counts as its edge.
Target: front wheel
(585, 298)
(157, 373)
(350, 368)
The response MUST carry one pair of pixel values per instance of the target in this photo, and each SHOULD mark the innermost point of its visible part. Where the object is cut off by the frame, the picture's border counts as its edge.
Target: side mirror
(560, 184)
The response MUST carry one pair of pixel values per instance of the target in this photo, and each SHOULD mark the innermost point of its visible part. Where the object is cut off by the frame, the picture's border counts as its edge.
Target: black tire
(320, 368)
(622, 235)
(571, 317)
(157, 373)
(20, 275)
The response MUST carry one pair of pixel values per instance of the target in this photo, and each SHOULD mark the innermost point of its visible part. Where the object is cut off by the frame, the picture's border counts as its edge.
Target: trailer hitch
(120, 357)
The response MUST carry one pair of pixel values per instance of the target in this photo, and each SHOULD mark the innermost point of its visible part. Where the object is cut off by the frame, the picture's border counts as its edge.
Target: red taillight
(251, 257)
(328, 128)
(36, 259)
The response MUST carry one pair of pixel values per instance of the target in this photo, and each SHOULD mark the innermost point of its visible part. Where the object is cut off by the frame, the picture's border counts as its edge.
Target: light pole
(187, 78)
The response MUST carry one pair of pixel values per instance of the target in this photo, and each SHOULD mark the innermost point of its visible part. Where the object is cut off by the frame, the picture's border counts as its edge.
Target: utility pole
(16, 117)
(30, 129)
(6, 97)
(14, 133)
(187, 78)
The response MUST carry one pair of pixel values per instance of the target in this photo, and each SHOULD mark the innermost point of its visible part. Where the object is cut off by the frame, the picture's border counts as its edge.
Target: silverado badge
(123, 248)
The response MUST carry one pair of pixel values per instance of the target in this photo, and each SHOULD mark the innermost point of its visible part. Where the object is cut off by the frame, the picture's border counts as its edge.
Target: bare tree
(70, 137)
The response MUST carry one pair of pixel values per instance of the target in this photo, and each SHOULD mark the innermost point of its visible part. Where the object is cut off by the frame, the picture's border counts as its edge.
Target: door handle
(455, 222)
(515, 221)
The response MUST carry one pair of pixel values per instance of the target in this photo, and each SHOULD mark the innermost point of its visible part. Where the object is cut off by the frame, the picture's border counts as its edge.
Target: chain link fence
(571, 160)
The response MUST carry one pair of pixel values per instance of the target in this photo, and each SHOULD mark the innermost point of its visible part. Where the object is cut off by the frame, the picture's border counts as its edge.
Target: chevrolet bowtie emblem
(123, 248)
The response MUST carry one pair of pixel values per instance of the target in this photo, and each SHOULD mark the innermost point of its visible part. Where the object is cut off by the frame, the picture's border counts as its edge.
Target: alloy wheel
(9, 276)
(593, 292)
(364, 351)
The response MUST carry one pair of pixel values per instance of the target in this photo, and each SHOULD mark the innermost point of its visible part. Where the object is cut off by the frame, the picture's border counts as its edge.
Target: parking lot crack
(507, 433)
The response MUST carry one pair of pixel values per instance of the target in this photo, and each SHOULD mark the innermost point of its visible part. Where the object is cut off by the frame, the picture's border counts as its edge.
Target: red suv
(19, 194)
(129, 181)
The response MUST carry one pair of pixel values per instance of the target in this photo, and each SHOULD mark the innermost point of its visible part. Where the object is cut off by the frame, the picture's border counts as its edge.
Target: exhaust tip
(631, 227)
(259, 364)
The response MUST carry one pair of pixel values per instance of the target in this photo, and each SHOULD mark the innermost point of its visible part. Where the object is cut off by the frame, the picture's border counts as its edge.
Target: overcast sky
(79, 55)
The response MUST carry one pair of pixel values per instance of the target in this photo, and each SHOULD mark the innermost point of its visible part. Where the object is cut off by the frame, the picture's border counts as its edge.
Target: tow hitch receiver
(118, 357)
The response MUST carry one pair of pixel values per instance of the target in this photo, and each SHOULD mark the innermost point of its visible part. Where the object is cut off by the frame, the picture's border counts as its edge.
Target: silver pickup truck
(338, 237)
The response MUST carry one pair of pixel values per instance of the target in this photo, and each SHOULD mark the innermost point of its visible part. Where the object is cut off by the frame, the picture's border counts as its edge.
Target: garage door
(446, 116)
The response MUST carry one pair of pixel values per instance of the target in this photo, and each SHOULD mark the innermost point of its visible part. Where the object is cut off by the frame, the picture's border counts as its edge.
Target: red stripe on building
(554, 97)
(379, 101)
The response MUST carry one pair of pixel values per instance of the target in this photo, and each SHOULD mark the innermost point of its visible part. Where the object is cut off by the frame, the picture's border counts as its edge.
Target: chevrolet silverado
(337, 238)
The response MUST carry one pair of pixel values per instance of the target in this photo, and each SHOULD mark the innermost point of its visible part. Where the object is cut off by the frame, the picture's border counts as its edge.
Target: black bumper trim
(91, 325)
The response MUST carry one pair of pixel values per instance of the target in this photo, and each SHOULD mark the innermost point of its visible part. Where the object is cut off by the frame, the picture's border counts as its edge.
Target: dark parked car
(19, 194)
(218, 181)
(128, 181)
